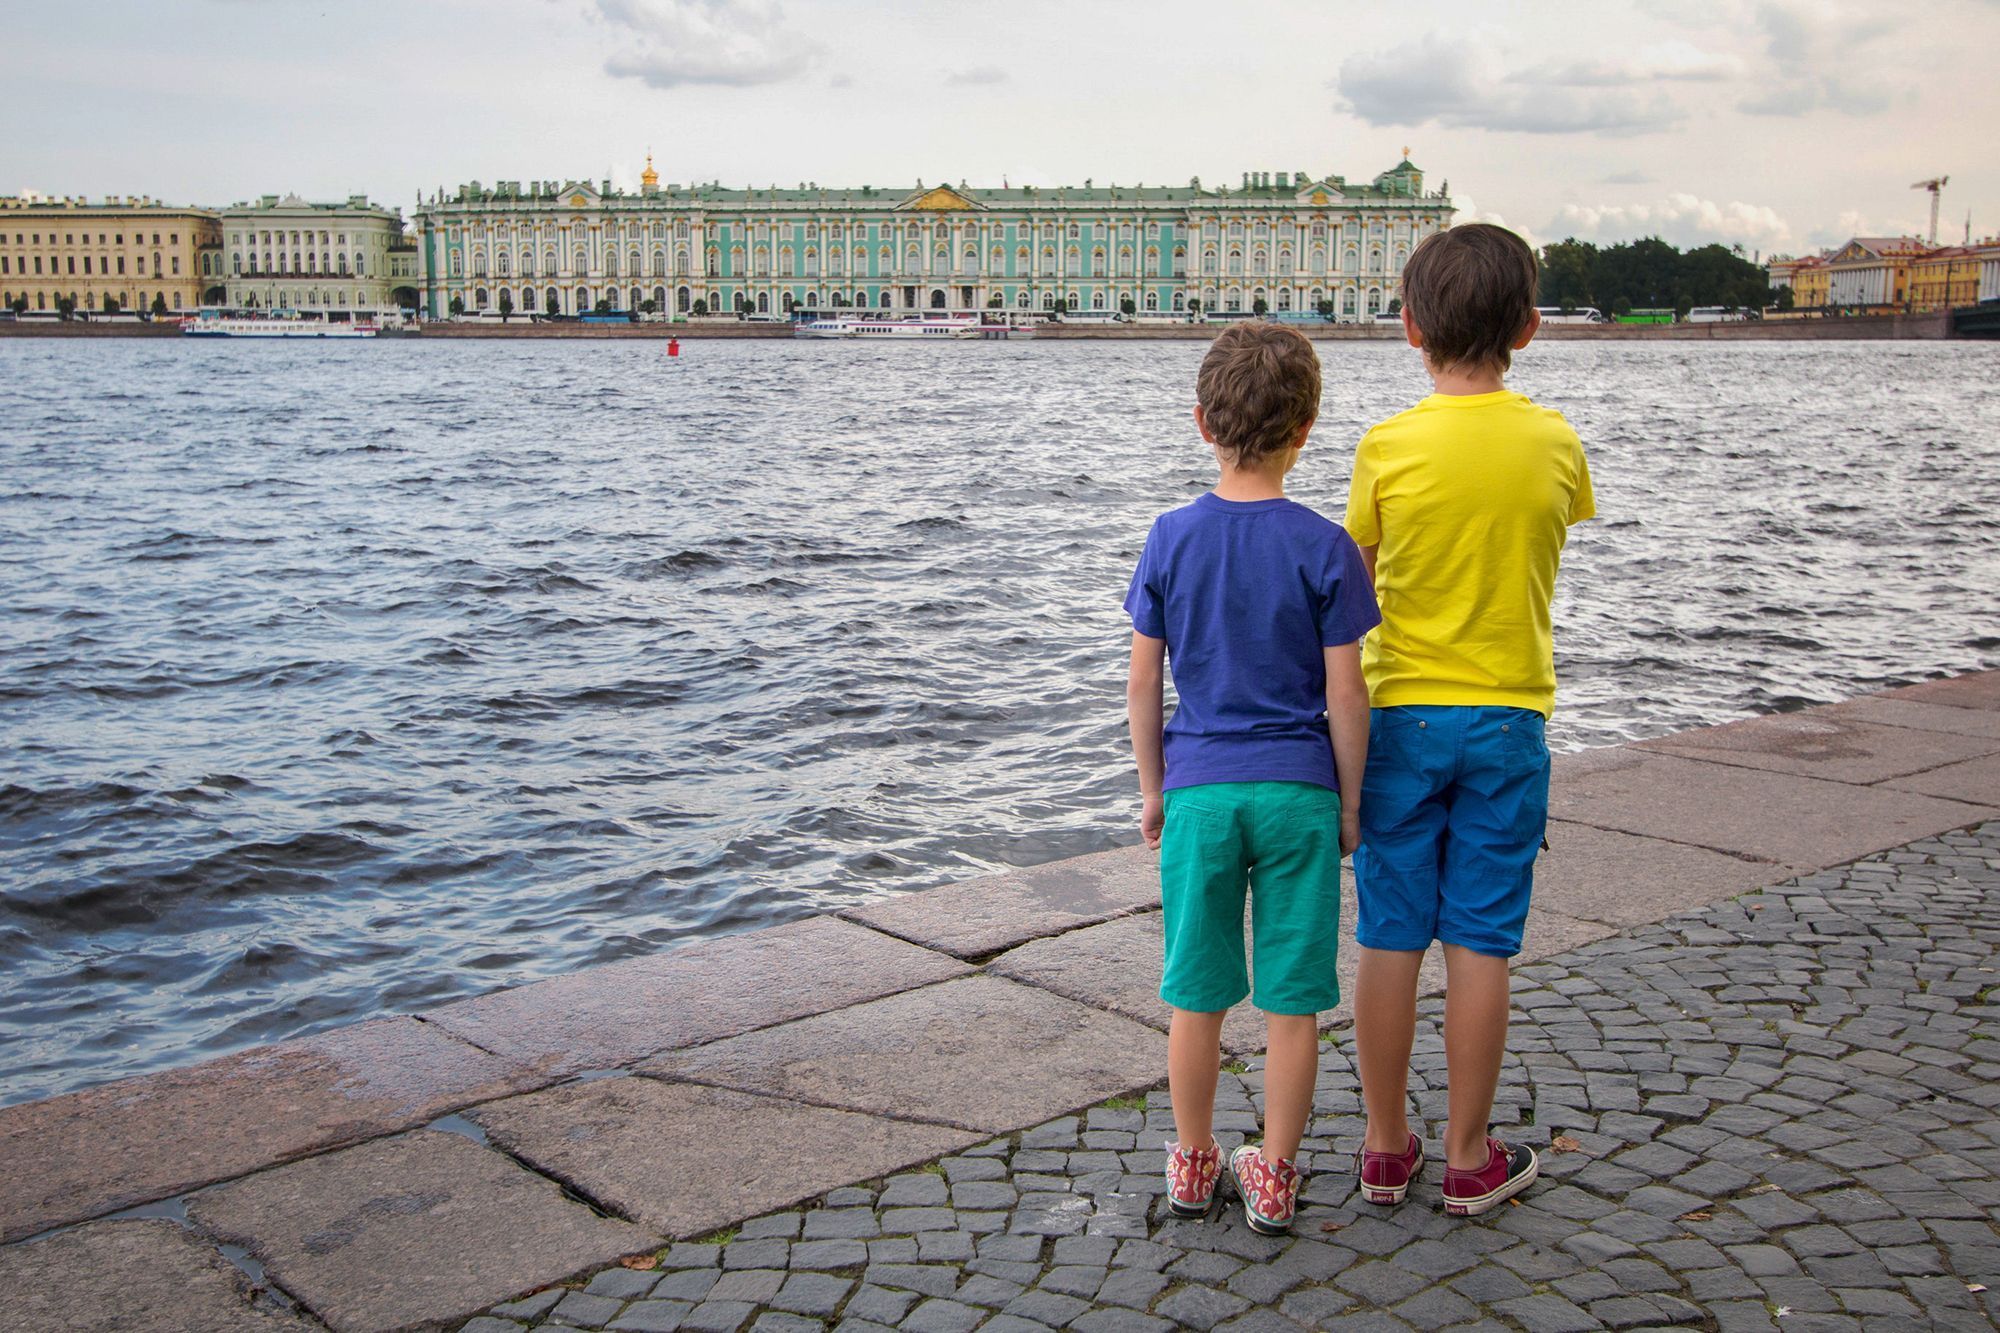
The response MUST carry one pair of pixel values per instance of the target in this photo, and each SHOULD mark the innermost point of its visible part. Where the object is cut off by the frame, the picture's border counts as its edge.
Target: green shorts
(1279, 842)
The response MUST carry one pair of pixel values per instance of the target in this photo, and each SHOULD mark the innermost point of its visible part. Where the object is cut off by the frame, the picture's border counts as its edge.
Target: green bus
(1648, 317)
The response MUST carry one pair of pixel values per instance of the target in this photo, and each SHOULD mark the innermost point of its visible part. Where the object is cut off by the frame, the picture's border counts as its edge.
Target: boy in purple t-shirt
(1261, 604)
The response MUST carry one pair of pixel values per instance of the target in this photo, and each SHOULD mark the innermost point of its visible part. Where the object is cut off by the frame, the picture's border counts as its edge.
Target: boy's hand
(1152, 819)
(1350, 829)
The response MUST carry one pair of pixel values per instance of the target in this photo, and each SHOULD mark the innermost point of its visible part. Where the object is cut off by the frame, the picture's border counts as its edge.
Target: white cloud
(978, 74)
(1818, 57)
(737, 43)
(1674, 61)
(1454, 83)
(1681, 219)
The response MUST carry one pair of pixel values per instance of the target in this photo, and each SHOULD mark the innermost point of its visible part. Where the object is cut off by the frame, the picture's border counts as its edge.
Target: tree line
(1649, 274)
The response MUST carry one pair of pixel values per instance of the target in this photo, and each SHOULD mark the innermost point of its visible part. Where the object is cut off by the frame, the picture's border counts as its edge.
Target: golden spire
(649, 177)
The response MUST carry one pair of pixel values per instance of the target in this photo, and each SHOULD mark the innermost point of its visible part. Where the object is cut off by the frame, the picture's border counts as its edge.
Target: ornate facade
(328, 259)
(136, 253)
(1292, 241)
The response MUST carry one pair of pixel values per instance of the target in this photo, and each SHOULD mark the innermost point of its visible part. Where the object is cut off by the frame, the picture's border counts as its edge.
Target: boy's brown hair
(1258, 387)
(1470, 291)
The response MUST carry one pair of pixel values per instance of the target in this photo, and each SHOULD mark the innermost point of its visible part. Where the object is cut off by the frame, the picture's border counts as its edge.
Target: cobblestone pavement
(1779, 1113)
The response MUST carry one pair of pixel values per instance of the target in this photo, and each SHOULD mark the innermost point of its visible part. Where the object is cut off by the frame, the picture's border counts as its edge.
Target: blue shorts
(1454, 804)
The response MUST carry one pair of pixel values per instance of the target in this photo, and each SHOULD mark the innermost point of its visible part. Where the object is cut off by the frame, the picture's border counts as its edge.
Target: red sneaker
(1270, 1192)
(1191, 1176)
(1507, 1172)
(1386, 1176)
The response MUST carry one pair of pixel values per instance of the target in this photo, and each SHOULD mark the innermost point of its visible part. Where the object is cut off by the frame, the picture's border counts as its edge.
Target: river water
(348, 679)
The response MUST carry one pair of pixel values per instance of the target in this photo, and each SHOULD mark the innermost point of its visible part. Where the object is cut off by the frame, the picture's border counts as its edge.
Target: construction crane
(1936, 186)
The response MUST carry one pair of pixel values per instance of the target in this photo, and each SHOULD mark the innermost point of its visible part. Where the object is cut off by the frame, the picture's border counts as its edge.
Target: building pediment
(1318, 194)
(939, 199)
(579, 194)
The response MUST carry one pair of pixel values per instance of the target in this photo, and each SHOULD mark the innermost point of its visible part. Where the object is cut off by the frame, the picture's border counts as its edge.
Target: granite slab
(1781, 817)
(980, 1053)
(150, 1276)
(1626, 880)
(93, 1152)
(1974, 689)
(1894, 711)
(612, 1016)
(1116, 966)
(1975, 781)
(686, 1159)
(1819, 743)
(410, 1231)
(976, 918)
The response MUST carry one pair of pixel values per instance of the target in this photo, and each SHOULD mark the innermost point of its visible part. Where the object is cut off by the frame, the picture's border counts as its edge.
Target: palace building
(1288, 241)
(130, 254)
(338, 260)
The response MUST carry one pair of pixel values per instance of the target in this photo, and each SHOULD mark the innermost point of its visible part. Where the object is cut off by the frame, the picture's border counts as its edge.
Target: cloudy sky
(1777, 124)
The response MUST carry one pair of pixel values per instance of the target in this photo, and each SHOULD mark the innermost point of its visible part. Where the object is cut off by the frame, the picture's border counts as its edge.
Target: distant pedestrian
(1249, 789)
(1461, 506)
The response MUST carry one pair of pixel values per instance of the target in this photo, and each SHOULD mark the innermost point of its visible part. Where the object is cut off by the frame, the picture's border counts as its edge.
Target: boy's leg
(1475, 1037)
(1295, 925)
(1385, 1027)
(1403, 818)
(1499, 810)
(1194, 1059)
(1202, 888)
(1291, 1068)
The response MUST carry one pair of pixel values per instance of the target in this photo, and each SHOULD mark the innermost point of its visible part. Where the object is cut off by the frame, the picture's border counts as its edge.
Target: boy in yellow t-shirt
(1460, 506)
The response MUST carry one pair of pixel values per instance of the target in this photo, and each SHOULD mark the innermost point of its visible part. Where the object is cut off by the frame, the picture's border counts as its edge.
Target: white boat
(274, 326)
(913, 327)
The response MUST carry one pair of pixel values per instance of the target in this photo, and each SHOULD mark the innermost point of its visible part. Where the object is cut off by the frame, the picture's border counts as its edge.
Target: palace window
(1180, 261)
(1236, 263)
(1285, 262)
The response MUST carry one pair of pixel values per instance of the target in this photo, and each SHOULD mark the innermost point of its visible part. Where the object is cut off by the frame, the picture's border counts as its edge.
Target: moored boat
(274, 326)
(926, 326)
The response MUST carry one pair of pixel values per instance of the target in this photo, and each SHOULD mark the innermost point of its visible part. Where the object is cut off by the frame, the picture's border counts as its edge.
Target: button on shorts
(1278, 843)
(1454, 804)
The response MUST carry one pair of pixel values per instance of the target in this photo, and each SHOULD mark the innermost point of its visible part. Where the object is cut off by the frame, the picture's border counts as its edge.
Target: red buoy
(673, 347)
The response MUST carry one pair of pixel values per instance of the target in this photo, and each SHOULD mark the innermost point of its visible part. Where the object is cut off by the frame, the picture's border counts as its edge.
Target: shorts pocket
(1396, 739)
(1523, 749)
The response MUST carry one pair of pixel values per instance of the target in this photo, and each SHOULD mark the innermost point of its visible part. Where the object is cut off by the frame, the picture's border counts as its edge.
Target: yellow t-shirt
(1468, 499)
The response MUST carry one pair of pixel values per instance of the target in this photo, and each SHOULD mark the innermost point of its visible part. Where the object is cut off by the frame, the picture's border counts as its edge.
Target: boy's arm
(1347, 723)
(1143, 711)
(1368, 561)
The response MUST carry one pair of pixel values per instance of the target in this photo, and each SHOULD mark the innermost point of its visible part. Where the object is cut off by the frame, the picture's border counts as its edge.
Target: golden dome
(649, 177)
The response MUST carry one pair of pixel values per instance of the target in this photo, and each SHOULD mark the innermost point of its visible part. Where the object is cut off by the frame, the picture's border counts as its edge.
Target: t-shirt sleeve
(1364, 520)
(1583, 503)
(1347, 607)
(1145, 601)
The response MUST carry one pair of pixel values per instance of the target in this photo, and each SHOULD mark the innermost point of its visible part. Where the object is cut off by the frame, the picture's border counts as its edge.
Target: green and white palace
(1291, 240)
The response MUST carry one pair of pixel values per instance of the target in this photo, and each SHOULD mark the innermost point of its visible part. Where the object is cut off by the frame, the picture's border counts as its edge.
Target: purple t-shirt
(1247, 594)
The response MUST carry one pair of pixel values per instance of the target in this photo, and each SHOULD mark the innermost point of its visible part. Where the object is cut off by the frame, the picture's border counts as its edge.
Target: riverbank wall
(1926, 327)
(411, 1171)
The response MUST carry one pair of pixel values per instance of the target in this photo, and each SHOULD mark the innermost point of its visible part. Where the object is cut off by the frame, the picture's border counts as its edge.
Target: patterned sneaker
(1191, 1178)
(1507, 1172)
(1270, 1193)
(1386, 1176)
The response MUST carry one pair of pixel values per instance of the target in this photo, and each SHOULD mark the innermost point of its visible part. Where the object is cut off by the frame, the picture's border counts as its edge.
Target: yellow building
(135, 252)
(1950, 277)
(1809, 283)
(1872, 272)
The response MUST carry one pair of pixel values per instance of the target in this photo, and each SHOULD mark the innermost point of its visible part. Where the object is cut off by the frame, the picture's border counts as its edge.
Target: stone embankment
(1928, 327)
(1786, 1102)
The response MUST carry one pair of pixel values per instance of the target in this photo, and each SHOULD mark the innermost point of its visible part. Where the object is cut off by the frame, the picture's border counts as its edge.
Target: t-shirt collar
(1210, 500)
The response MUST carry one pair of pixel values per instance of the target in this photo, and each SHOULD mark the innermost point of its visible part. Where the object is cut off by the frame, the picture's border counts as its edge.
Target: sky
(1777, 125)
